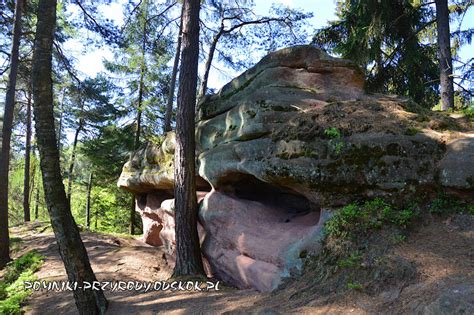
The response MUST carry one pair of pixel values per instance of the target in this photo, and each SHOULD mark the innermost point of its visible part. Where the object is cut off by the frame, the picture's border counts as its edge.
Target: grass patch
(12, 289)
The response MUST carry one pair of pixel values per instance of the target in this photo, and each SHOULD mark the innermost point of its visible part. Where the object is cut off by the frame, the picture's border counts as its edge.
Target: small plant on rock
(332, 133)
(336, 144)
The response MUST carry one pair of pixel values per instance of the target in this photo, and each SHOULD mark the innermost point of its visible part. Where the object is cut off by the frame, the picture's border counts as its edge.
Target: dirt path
(121, 259)
(442, 251)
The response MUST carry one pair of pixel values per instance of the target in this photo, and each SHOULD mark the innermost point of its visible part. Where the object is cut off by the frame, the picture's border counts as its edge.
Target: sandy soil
(442, 251)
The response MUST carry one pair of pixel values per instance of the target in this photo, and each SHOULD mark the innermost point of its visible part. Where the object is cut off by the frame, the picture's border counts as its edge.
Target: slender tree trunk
(26, 182)
(207, 67)
(73, 158)
(169, 105)
(71, 248)
(445, 59)
(141, 87)
(60, 128)
(139, 114)
(34, 187)
(131, 229)
(88, 204)
(6, 137)
(37, 197)
(188, 252)
(32, 181)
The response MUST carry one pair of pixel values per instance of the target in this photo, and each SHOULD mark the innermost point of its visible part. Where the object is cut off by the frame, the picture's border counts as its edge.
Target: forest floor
(441, 250)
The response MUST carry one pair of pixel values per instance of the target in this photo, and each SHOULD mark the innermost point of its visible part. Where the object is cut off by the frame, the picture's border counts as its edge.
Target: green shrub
(29, 261)
(12, 289)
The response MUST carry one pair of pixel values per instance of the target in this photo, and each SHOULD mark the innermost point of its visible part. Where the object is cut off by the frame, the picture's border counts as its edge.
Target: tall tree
(90, 107)
(6, 136)
(71, 248)
(141, 64)
(26, 181)
(169, 104)
(390, 41)
(444, 55)
(188, 253)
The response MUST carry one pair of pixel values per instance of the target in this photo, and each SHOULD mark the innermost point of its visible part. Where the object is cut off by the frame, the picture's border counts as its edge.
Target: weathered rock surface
(289, 139)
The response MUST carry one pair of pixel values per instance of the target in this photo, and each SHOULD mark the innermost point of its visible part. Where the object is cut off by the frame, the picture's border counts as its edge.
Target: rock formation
(284, 144)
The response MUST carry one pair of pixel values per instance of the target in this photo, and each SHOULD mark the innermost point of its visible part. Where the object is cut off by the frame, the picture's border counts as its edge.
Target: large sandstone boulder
(282, 145)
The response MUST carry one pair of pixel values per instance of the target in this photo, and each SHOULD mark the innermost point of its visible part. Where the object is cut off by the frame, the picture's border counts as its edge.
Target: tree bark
(6, 137)
(26, 181)
(445, 59)
(73, 158)
(71, 248)
(88, 203)
(169, 105)
(188, 253)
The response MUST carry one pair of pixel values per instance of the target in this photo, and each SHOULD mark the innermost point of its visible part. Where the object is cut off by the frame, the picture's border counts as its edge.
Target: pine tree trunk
(37, 197)
(26, 182)
(73, 158)
(71, 248)
(6, 137)
(169, 105)
(445, 59)
(88, 203)
(188, 252)
(207, 67)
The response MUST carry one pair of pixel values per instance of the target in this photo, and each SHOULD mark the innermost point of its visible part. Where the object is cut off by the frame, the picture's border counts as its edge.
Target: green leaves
(388, 40)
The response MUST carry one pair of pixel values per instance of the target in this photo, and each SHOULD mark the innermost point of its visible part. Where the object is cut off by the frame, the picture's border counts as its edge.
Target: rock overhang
(265, 134)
